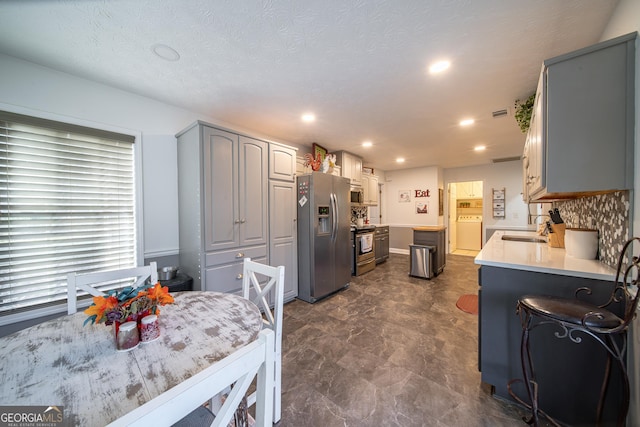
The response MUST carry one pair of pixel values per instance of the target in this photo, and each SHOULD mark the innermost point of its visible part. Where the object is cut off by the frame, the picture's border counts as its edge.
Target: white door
(453, 215)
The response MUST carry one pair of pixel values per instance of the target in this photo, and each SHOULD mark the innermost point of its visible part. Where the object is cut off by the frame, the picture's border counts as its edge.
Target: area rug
(468, 303)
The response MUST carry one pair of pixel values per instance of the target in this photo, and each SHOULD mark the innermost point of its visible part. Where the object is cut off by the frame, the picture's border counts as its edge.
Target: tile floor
(391, 350)
(465, 252)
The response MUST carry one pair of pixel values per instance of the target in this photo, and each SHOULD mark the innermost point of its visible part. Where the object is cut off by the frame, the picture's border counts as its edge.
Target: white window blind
(67, 204)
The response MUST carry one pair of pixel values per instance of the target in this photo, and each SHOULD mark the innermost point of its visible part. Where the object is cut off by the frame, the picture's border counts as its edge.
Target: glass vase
(127, 335)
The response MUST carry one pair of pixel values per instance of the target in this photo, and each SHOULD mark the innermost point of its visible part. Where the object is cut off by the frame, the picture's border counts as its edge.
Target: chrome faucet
(532, 218)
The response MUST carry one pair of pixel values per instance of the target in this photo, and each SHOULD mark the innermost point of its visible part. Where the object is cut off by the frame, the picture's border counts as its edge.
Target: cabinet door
(525, 170)
(372, 184)
(365, 189)
(253, 191)
(283, 232)
(227, 278)
(467, 190)
(356, 170)
(377, 248)
(536, 141)
(221, 207)
(347, 166)
(282, 162)
(588, 120)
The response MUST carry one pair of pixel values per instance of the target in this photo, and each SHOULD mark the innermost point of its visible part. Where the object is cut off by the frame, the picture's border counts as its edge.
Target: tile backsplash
(607, 213)
(358, 212)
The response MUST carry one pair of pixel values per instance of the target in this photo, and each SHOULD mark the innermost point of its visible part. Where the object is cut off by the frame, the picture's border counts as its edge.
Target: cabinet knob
(243, 220)
(237, 221)
(240, 255)
(239, 276)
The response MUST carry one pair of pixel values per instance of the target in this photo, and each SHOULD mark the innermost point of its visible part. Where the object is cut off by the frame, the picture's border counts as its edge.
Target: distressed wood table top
(63, 363)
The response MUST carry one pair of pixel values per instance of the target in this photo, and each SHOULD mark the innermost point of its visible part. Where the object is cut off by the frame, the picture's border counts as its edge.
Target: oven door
(364, 245)
(365, 252)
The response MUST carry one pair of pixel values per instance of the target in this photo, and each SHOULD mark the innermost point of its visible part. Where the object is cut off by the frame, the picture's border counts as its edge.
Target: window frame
(61, 308)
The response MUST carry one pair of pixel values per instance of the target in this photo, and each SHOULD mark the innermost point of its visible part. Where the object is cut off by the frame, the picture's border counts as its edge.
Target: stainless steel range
(364, 249)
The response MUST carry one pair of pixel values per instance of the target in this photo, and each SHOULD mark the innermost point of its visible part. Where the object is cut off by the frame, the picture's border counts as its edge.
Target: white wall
(507, 175)
(31, 89)
(626, 19)
(409, 180)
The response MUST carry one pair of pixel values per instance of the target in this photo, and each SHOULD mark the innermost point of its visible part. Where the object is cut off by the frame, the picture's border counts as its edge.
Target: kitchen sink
(523, 239)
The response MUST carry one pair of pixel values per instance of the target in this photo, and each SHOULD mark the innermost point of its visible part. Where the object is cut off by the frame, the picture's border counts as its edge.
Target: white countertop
(539, 257)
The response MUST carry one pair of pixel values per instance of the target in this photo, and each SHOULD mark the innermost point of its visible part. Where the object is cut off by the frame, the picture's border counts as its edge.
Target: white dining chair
(258, 280)
(239, 369)
(88, 281)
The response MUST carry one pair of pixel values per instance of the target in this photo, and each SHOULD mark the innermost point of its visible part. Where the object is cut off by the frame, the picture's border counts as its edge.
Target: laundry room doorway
(465, 217)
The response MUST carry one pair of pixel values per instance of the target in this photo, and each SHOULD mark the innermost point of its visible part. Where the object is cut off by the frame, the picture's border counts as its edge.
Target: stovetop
(369, 227)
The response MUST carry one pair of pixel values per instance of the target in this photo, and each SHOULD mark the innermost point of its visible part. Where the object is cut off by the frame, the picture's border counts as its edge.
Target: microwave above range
(356, 196)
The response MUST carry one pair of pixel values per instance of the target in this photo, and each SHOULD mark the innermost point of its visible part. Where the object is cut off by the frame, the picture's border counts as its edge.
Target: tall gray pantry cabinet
(223, 196)
(283, 230)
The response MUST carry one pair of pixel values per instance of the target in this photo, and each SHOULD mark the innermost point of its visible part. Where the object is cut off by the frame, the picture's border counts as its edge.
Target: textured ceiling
(359, 65)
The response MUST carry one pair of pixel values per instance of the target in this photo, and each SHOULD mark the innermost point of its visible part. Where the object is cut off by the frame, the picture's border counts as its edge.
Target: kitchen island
(569, 374)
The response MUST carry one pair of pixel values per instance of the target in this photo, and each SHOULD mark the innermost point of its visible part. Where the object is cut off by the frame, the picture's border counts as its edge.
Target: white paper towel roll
(581, 243)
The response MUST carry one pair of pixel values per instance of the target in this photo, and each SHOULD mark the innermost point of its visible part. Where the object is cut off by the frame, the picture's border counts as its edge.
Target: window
(67, 203)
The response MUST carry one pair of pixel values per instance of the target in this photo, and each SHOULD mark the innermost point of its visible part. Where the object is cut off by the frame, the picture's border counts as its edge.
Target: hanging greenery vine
(523, 112)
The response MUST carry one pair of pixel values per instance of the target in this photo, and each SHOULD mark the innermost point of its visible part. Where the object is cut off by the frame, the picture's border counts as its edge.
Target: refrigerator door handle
(334, 216)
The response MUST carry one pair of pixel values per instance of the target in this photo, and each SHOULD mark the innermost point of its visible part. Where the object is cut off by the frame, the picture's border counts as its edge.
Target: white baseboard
(399, 251)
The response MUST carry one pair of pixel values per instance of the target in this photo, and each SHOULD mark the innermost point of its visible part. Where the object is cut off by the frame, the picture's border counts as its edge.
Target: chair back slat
(273, 285)
(88, 281)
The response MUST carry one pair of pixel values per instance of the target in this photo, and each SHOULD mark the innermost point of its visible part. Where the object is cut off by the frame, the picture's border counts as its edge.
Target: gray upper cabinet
(581, 141)
(235, 190)
(282, 162)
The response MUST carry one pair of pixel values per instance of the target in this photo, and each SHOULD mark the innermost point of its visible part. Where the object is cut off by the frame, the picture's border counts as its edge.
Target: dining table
(73, 365)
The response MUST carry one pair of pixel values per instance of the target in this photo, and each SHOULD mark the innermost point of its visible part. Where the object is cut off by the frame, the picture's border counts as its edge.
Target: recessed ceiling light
(367, 144)
(467, 122)
(400, 160)
(308, 117)
(438, 67)
(479, 148)
(165, 52)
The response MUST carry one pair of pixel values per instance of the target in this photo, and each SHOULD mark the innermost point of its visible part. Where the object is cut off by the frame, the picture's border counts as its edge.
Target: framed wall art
(319, 152)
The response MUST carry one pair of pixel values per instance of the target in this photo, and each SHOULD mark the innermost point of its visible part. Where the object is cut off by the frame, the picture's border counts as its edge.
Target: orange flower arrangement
(128, 304)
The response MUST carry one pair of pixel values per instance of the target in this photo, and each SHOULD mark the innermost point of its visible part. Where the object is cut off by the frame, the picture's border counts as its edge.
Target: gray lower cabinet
(223, 204)
(223, 271)
(381, 245)
(569, 374)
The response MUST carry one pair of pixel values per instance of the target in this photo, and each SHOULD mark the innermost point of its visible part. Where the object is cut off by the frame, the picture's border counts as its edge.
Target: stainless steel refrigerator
(324, 248)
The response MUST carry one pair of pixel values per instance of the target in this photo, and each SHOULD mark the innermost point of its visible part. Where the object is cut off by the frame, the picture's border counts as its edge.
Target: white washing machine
(469, 232)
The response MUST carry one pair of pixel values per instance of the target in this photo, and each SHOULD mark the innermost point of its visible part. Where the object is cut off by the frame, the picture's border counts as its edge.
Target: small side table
(180, 283)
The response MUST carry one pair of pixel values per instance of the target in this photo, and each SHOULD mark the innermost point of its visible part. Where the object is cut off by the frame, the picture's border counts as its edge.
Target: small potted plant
(523, 110)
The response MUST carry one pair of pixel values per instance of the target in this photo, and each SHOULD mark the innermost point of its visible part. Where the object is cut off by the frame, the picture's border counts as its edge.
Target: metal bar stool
(597, 321)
